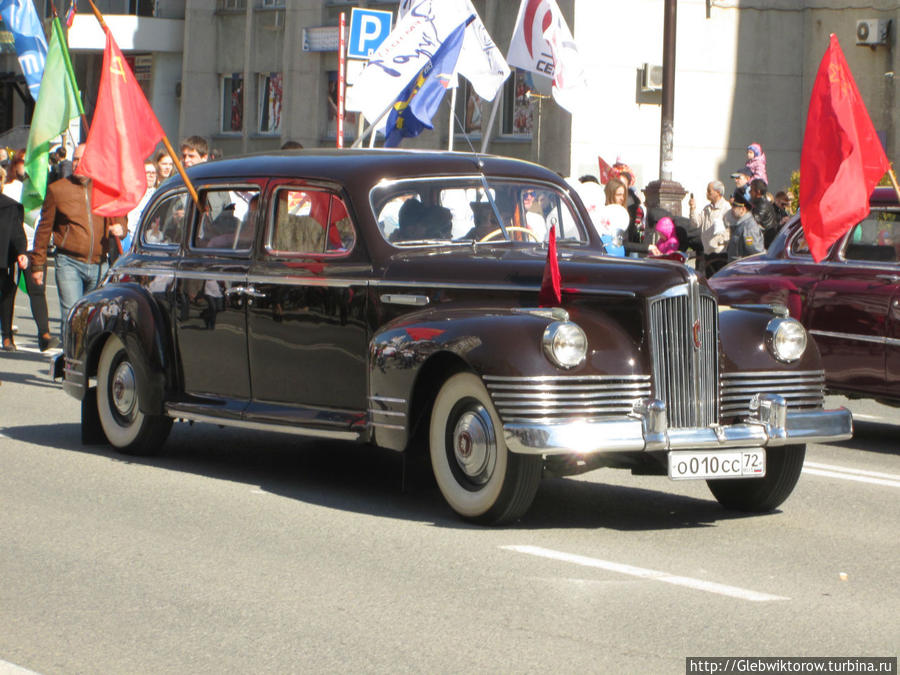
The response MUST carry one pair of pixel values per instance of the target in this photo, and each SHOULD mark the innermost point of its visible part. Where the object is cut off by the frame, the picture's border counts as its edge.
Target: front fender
(742, 335)
(409, 358)
(129, 312)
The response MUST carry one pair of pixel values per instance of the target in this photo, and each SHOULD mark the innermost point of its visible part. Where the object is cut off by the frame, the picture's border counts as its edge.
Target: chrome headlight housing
(786, 339)
(565, 344)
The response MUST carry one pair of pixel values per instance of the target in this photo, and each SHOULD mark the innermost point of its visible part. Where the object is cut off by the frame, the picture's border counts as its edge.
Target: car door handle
(253, 293)
(890, 278)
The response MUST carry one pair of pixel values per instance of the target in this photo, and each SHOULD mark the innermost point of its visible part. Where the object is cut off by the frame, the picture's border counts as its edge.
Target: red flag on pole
(551, 293)
(605, 170)
(842, 158)
(124, 132)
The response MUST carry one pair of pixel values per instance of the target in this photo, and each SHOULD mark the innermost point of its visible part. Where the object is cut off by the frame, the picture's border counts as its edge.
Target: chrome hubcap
(123, 390)
(475, 444)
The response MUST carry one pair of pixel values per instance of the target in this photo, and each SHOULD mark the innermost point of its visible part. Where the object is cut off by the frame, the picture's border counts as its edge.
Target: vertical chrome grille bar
(685, 377)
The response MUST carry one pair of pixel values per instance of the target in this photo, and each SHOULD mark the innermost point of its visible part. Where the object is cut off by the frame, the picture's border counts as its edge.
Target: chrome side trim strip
(381, 425)
(296, 280)
(516, 288)
(388, 399)
(212, 276)
(894, 342)
(774, 373)
(389, 413)
(401, 299)
(262, 426)
(146, 271)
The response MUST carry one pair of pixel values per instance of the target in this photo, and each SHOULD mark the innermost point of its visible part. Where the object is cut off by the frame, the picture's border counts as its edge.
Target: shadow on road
(879, 437)
(369, 480)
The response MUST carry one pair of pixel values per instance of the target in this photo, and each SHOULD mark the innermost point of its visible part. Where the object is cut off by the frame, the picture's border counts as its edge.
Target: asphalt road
(245, 552)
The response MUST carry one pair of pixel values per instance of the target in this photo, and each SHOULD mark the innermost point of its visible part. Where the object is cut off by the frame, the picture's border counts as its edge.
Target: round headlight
(565, 344)
(786, 339)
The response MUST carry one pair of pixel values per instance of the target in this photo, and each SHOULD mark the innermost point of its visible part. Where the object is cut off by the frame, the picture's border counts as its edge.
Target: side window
(799, 247)
(310, 222)
(874, 239)
(164, 225)
(228, 221)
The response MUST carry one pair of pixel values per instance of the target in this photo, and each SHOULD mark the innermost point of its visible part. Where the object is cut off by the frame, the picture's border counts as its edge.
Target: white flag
(542, 43)
(480, 62)
(404, 52)
(569, 82)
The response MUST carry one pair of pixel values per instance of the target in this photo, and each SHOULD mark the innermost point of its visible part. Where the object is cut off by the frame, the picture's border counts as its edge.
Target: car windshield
(442, 211)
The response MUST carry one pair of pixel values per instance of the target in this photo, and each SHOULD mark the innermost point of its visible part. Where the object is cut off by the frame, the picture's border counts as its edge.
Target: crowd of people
(727, 228)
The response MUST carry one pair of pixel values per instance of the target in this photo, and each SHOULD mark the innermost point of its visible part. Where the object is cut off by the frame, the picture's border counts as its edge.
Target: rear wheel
(480, 479)
(783, 467)
(118, 405)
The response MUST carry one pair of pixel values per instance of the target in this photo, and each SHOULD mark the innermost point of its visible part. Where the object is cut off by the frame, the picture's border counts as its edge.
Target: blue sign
(368, 29)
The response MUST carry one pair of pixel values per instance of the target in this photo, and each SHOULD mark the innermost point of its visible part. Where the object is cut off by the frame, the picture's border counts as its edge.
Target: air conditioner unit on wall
(651, 77)
(872, 32)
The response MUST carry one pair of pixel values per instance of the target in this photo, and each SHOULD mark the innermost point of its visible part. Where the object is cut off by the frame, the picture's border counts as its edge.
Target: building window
(233, 102)
(232, 4)
(468, 111)
(351, 119)
(518, 108)
(270, 103)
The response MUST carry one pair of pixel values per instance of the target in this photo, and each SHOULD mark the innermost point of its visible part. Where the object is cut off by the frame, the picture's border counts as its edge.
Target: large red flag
(842, 158)
(551, 293)
(123, 133)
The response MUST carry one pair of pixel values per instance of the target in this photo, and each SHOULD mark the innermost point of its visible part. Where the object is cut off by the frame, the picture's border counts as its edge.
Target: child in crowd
(664, 237)
(756, 161)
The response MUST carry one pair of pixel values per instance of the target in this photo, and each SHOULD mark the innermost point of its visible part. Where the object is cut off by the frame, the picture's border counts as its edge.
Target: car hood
(524, 266)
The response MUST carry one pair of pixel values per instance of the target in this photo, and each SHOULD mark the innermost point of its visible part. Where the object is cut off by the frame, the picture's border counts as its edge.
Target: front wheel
(477, 475)
(783, 467)
(118, 405)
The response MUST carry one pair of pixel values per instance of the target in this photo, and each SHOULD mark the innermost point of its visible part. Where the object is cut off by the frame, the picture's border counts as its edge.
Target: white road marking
(7, 668)
(35, 350)
(644, 573)
(857, 475)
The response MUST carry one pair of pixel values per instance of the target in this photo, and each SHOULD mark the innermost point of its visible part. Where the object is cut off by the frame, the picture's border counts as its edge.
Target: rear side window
(163, 225)
(310, 222)
(875, 239)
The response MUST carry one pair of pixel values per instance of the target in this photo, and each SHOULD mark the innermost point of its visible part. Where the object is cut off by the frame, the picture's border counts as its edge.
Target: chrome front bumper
(646, 430)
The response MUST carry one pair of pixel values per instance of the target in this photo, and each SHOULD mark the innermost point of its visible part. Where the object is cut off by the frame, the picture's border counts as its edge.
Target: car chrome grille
(802, 390)
(566, 397)
(685, 377)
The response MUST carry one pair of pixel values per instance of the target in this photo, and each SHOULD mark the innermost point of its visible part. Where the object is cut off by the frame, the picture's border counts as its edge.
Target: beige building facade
(251, 74)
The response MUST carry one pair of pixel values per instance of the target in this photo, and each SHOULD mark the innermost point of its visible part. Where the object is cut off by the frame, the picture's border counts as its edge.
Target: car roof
(354, 165)
(884, 196)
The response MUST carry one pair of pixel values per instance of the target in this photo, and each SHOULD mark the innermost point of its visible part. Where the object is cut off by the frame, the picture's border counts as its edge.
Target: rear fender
(130, 313)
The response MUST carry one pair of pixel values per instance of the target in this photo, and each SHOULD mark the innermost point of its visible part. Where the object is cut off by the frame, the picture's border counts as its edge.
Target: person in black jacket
(12, 251)
(763, 210)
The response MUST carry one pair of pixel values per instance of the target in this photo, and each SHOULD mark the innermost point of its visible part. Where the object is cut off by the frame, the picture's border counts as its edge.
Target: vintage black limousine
(391, 298)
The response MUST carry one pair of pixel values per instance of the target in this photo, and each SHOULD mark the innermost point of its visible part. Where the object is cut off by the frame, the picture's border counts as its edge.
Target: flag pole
(894, 181)
(452, 111)
(490, 124)
(371, 128)
(169, 148)
(69, 72)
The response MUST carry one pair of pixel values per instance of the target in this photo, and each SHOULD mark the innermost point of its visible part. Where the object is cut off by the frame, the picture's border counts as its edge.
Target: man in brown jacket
(82, 238)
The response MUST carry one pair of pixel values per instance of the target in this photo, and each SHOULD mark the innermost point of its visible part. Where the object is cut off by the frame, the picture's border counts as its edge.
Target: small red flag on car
(551, 294)
(123, 133)
(842, 158)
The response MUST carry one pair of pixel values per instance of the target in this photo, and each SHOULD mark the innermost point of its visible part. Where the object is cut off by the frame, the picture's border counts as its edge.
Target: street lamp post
(666, 192)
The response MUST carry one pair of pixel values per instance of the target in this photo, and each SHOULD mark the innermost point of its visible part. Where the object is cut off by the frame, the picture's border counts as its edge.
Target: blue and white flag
(419, 101)
(480, 61)
(410, 46)
(22, 21)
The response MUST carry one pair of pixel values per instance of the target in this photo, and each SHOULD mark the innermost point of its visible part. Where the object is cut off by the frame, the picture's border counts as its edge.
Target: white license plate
(687, 465)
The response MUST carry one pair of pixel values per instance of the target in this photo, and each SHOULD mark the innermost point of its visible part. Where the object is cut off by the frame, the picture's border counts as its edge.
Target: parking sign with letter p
(368, 29)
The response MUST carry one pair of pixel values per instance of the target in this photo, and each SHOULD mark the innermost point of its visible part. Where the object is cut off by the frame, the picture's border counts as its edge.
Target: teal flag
(57, 103)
